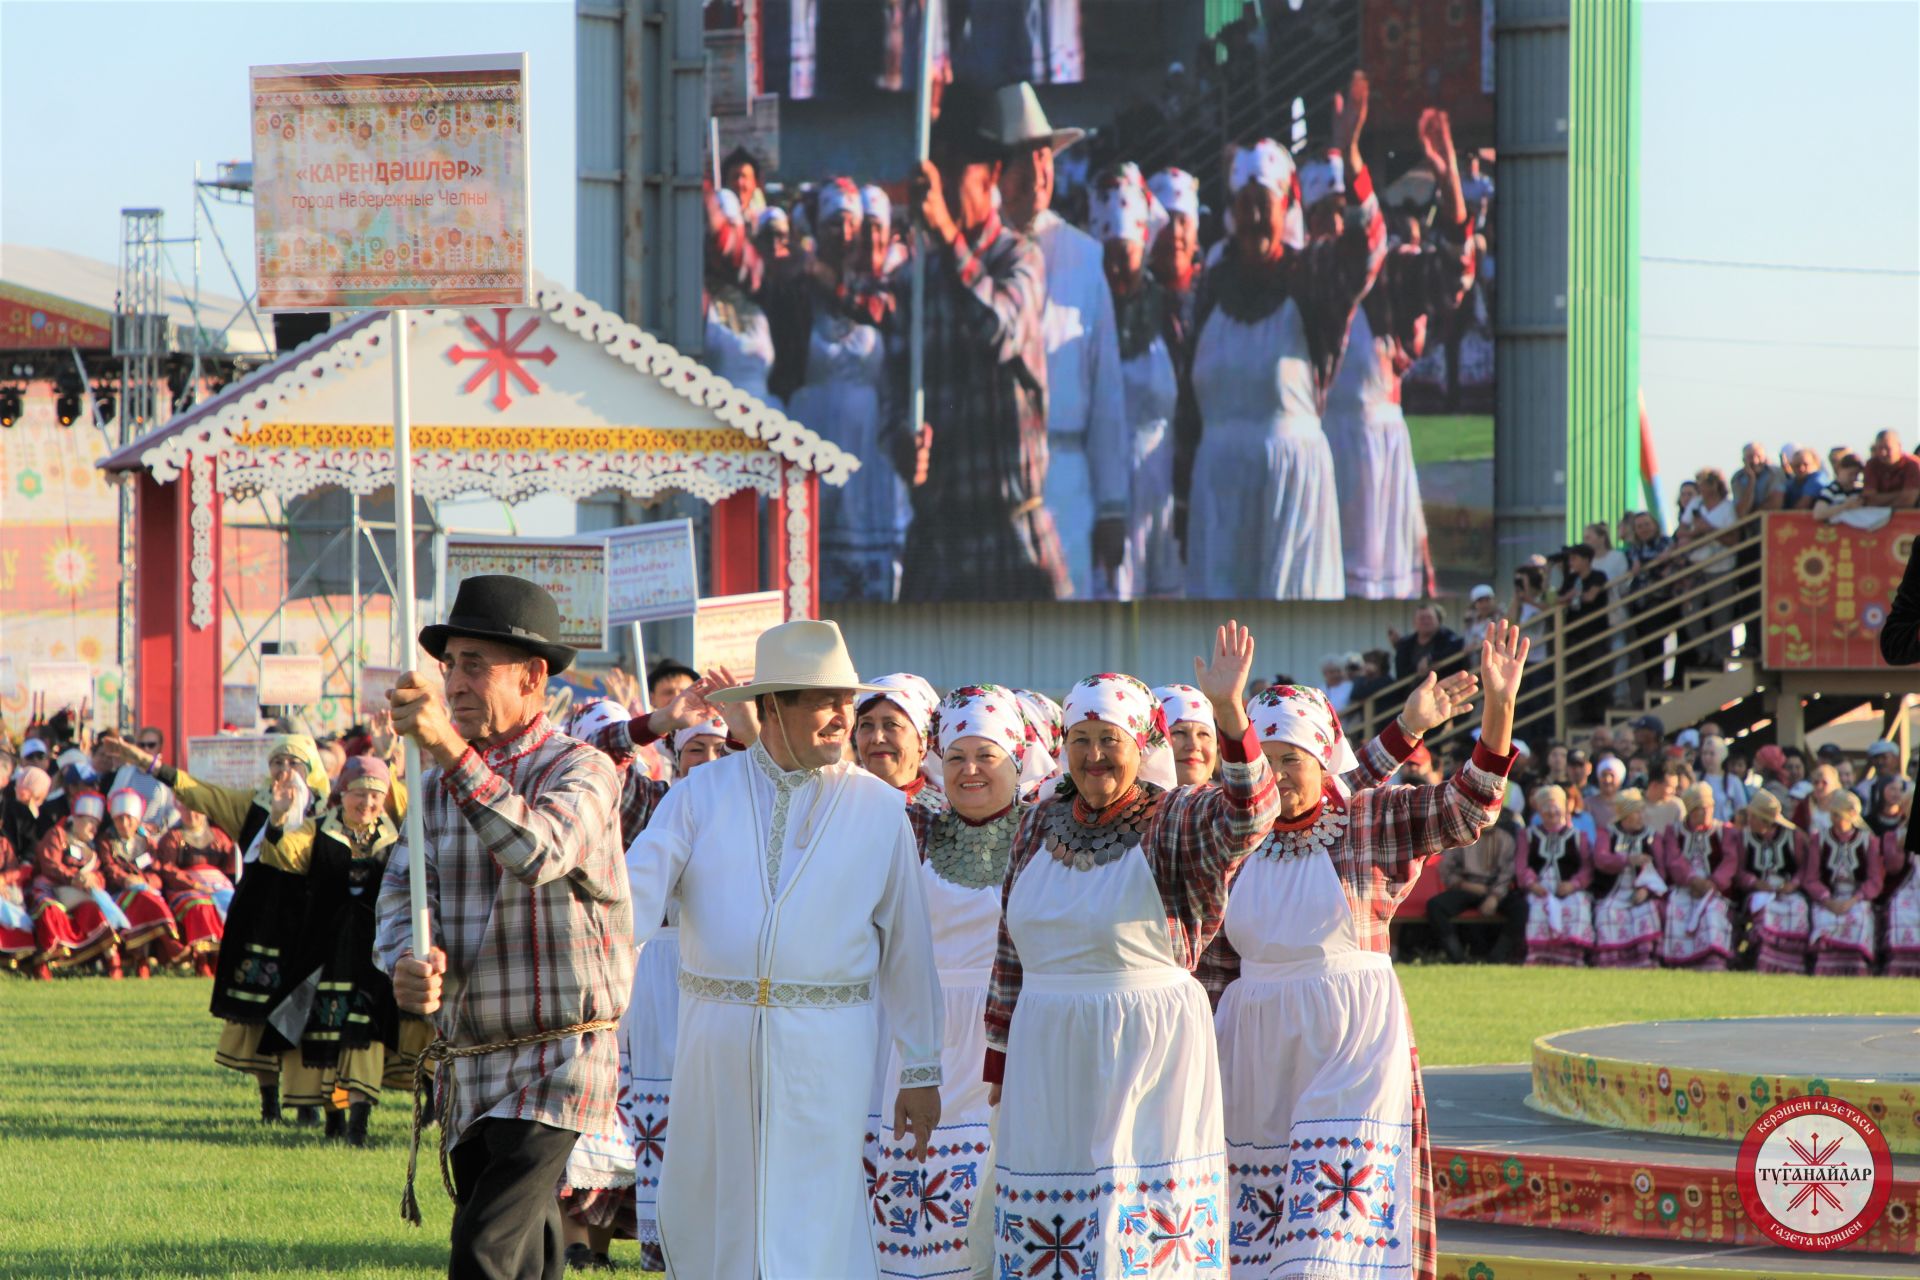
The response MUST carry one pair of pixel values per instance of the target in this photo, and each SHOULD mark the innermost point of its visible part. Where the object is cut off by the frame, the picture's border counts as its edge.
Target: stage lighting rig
(11, 406)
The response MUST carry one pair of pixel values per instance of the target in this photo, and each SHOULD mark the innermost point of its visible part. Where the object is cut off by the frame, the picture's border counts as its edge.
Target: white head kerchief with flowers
(1121, 701)
(1046, 718)
(1184, 702)
(1301, 716)
(915, 698)
(984, 711)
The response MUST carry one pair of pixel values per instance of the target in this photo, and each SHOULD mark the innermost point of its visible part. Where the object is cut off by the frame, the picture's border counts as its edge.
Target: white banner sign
(651, 573)
(240, 705)
(374, 683)
(229, 760)
(391, 183)
(56, 686)
(727, 629)
(291, 679)
(574, 574)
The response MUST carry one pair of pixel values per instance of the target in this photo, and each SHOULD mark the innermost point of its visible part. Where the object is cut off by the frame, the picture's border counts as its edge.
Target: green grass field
(1450, 437)
(125, 1152)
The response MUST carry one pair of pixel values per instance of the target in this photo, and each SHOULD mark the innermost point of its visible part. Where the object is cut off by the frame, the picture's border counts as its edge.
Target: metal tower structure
(140, 341)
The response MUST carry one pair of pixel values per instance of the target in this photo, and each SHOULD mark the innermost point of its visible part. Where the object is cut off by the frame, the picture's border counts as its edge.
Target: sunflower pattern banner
(1827, 589)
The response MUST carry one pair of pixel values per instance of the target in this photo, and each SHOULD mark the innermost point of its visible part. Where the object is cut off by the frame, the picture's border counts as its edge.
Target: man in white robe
(1089, 437)
(800, 906)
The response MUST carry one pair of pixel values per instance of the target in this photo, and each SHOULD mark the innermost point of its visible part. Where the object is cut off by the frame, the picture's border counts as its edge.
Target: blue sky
(1784, 133)
(1780, 133)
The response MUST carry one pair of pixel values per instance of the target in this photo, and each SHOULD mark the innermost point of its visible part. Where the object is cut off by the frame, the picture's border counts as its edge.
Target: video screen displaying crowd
(1130, 393)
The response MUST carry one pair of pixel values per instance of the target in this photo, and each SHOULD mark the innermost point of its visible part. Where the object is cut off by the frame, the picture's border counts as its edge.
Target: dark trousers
(1442, 907)
(506, 1217)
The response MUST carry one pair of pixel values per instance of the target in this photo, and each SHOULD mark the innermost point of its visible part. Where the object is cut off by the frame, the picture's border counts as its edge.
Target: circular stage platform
(1711, 1078)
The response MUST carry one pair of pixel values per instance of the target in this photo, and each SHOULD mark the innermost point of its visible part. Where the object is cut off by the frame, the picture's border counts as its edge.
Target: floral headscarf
(1184, 702)
(587, 719)
(1300, 716)
(914, 697)
(1120, 206)
(984, 711)
(1122, 702)
(1046, 718)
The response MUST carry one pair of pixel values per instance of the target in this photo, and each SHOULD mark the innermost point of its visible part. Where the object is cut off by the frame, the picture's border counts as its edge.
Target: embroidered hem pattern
(923, 1211)
(1332, 1205)
(1167, 1220)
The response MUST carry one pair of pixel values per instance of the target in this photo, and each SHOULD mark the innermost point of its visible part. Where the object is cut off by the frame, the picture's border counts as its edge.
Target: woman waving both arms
(1329, 1171)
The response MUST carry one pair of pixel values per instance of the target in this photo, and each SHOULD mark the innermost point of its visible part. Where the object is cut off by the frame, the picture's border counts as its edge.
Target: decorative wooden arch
(561, 397)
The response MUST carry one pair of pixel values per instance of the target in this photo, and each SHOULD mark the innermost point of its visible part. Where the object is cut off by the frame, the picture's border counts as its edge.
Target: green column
(1603, 264)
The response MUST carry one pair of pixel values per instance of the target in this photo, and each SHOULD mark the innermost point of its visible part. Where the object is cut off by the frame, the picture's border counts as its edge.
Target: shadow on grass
(423, 1256)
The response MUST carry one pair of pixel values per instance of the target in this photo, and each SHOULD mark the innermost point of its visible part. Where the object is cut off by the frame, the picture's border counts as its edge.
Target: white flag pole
(922, 148)
(409, 627)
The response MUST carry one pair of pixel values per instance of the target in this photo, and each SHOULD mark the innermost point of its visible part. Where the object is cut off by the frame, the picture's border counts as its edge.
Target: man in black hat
(533, 926)
(980, 530)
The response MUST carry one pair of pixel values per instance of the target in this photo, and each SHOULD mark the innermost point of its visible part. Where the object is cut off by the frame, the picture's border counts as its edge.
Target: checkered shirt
(528, 893)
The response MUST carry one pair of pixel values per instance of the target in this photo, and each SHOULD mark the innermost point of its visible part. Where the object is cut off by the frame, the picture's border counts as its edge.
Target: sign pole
(409, 628)
(640, 670)
(922, 148)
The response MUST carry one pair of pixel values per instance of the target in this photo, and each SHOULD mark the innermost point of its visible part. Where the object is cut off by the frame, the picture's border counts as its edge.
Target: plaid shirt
(924, 804)
(528, 894)
(980, 529)
(1193, 841)
(640, 792)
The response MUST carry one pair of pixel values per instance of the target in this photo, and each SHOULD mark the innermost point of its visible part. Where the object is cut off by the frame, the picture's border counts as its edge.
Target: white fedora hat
(1023, 121)
(798, 655)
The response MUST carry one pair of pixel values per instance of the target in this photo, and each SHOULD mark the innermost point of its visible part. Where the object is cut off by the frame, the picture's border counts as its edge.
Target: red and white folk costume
(193, 863)
(1559, 925)
(1625, 931)
(917, 700)
(74, 919)
(934, 1218)
(17, 946)
(1110, 1151)
(1768, 875)
(132, 876)
(1699, 929)
(1317, 1055)
(1844, 870)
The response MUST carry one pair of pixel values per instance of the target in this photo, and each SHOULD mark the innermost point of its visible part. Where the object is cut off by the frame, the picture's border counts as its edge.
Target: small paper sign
(229, 759)
(651, 573)
(291, 679)
(574, 574)
(374, 683)
(240, 705)
(727, 630)
(57, 686)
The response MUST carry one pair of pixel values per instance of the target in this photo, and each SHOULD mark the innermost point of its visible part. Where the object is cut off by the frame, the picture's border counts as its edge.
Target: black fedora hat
(967, 130)
(508, 610)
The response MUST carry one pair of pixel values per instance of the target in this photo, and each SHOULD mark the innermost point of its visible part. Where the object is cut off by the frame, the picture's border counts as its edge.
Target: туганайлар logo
(1815, 1173)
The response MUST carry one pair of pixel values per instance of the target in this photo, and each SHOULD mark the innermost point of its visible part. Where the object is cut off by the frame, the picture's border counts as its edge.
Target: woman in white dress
(1110, 1157)
(1383, 522)
(1272, 326)
(1143, 315)
(845, 394)
(934, 1217)
(1331, 1174)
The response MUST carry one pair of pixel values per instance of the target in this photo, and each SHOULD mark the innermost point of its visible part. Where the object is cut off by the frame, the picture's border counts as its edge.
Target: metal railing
(1588, 662)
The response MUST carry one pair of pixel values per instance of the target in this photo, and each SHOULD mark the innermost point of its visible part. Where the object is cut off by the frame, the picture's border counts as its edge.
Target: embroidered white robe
(800, 905)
